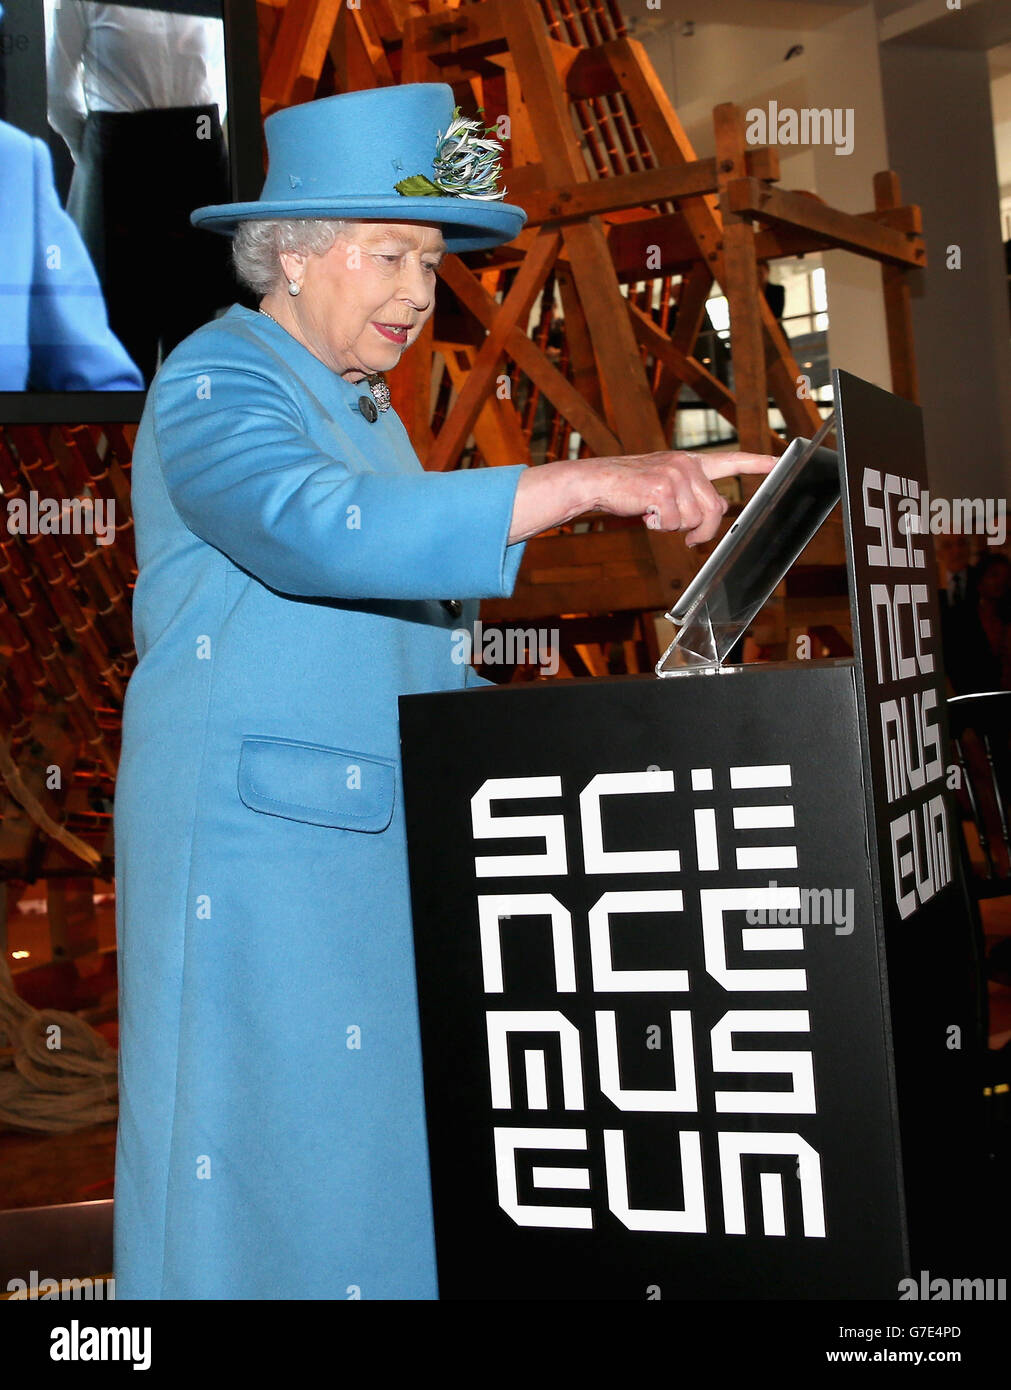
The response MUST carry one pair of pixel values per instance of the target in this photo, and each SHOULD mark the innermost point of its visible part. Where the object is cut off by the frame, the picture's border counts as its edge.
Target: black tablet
(751, 559)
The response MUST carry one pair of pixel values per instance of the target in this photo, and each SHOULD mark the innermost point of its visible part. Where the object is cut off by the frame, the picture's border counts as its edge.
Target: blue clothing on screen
(54, 333)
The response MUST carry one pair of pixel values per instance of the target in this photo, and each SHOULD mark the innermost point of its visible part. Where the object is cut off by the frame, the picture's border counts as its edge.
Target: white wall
(940, 130)
(843, 71)
(924, 111)
(838, 68)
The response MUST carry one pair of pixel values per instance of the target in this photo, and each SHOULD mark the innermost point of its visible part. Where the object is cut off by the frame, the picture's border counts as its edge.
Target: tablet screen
(750, 561)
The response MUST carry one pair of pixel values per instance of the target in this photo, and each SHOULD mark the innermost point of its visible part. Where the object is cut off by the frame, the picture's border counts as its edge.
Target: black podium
(696, 966)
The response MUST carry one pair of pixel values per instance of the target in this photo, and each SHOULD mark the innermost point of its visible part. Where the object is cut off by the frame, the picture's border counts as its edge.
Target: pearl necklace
(377, 382)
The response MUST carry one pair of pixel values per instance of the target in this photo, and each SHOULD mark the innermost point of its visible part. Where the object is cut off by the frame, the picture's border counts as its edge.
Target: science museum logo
(763, 1149)
(785, 125)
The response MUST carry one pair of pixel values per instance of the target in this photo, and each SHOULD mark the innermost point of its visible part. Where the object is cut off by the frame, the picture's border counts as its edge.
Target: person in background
(969, 660)
(138, 94)
(54, 333)
(993, 590)
(775, 295)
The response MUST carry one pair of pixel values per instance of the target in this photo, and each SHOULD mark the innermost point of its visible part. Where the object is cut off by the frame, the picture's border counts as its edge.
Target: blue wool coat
(292, 558)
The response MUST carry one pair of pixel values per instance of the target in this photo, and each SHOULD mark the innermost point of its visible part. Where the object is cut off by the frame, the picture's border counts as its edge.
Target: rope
(56, 1073)
(33, 806)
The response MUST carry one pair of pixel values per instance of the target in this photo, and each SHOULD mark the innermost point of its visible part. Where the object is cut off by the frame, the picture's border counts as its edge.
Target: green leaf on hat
(418, 185)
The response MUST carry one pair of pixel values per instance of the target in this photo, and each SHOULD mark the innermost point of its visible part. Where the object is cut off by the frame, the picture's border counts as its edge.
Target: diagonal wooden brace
(517, 305)
(532, 361)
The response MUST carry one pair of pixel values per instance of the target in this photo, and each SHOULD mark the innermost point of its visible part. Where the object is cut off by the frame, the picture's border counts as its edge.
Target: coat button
(453, 606)
(368, 408)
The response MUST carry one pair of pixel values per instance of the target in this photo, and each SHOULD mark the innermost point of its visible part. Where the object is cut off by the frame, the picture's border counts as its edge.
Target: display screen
(113, 128)
(766, 539)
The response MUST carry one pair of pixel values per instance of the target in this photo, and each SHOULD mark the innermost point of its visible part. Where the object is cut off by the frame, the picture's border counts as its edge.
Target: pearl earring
(294, 287)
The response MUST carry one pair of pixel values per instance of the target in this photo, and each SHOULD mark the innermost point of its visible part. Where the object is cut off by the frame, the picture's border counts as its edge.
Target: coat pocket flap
(324, 786)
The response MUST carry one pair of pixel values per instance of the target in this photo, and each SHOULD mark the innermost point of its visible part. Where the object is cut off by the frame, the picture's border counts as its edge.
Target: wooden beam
(356, 67)
(497, 429)
(575, 202)
(629, 245)
(523, 148)
(415, 63)
(527, 285)
(384, 22)
(747, 197)
(666, 135)
(740, 285)
(582, 363)
(529, 358)
(898, 309)
(691, 372)
(702, 215)
(595, 572)
(367, 22)
(296, 60)
(679, 251)
(460, 36)
(801, 414)
(634, 417)
(532, 53)
(409, 391)
(691, 311)
(591, 75)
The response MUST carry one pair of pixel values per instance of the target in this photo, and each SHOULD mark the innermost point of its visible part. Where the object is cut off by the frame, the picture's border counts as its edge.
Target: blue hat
(344, 156)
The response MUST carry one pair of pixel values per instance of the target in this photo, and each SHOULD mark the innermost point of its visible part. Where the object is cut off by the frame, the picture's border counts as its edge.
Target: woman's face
(368, 298)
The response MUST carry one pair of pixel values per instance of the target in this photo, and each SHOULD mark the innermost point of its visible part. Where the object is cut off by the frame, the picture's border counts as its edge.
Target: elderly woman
(298, 572)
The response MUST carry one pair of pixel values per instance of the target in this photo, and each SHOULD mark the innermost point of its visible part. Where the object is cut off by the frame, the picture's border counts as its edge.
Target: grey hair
(257, 247)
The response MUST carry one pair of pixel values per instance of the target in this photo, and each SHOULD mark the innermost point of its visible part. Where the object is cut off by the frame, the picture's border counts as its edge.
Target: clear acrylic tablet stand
(706, 637)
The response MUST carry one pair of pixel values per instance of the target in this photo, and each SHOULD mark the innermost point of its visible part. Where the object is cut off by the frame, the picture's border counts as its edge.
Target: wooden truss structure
(579, 338)
(627, 230)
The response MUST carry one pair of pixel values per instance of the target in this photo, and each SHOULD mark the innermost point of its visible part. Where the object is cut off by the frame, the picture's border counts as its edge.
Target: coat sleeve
(244, 475)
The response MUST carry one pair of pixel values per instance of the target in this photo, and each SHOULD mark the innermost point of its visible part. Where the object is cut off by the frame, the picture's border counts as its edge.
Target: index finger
(725, 465)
